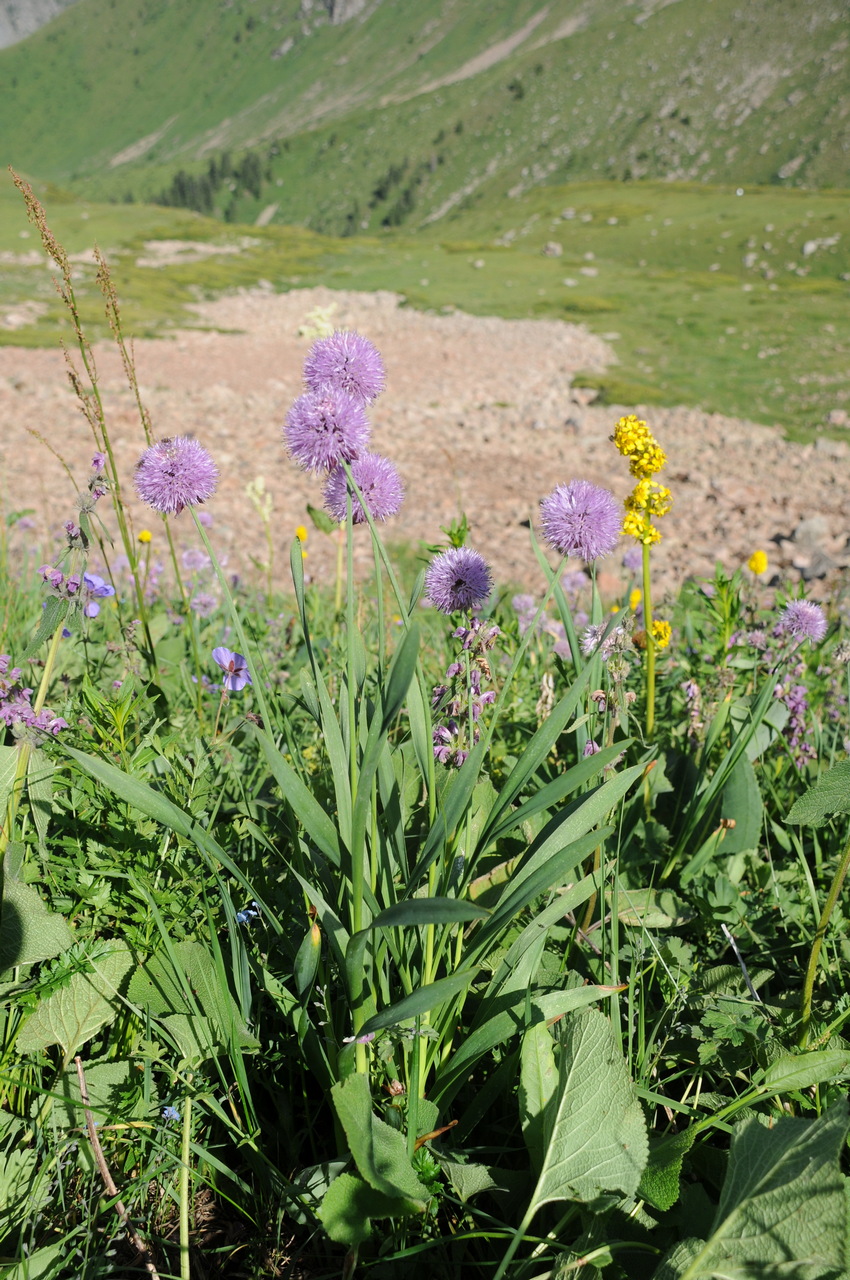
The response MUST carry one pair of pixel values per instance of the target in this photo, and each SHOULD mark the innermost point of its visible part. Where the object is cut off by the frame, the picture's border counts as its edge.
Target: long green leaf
(315, 820)
(455, 801)
(428, 911)
(420, 1001)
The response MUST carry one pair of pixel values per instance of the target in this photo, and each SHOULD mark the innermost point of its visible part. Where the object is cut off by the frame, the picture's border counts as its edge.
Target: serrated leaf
(31, 932)
(595, 1129)
(75, 1012)
(40, 771)
(379, 1152)
(782, 1211)
(829, 795)
(52, 616)
(350, 1204)
(470, 1179)
(659, 1184)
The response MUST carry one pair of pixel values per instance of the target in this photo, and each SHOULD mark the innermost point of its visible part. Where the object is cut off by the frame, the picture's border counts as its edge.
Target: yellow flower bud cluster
(661, 633)
(757, 563)
(648, 500)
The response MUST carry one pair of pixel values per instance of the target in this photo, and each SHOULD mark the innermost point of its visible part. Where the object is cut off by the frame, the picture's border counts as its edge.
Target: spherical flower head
(379, 483)
(581, 519)
(324, 428)
(145, 536)
(235, 668)
(347, 362)
(803, 620)
(457, 579)
(174, 474)
(757, 563)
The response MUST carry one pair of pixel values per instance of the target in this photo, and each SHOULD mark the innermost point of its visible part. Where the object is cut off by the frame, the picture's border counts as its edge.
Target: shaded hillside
(361, 113)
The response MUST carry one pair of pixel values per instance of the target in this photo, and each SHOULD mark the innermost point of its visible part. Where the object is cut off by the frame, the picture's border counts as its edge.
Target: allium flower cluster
(581, 519)
(457, 580)
(327, 427)
(803, 620)
(16, 709)
(379, 483)
(175, 473)
(459, 701)
(648, 500)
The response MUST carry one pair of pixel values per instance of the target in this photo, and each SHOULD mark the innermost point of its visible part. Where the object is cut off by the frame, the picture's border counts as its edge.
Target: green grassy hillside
(407, 110)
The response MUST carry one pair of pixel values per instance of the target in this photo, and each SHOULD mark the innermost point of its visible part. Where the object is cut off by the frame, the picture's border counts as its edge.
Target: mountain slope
(427, 104)
(20, 18)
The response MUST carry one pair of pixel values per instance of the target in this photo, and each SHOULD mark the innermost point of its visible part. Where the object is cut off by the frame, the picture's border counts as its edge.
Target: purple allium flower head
(175, 473)
(581, 519)
(235, 668)
(803, 620)
(378, 481)
(347, 362)
(324, 428)
(457, 579)
(204, 604)
(633, 558)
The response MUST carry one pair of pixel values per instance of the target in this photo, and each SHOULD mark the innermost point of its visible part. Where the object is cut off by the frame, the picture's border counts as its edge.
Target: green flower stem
(259, 691)
(184, 1188)
(650, 643)
(817, 942)
(199, 700)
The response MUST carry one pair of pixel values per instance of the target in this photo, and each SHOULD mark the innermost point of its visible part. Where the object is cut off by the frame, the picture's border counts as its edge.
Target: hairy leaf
(829, 795)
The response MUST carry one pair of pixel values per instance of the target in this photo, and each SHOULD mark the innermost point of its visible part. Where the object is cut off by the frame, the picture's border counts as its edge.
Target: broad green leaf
(46, 1263)
(350, 1204)
(741, 802)
(595, 1131)
(307, 959)
(471, 1179)
(659, 1184)
(313, 818)
(321, 521)
(428, 911)
(420, 1001)
(782, 1212)
(75, 1012)
(650, 908)
(829, 795)
(537, 1084)
(380, 1153)
(40, 771)
(106, 1082)
(8, 766)
(802, 1070)
(30, 931)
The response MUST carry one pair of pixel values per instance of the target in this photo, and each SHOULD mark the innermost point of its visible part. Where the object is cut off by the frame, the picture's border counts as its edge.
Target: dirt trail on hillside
(479, 415)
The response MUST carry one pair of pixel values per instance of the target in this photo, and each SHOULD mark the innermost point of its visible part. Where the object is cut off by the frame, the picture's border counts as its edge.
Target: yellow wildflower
(301, 533)
(632, 435)
(635, 597)
(637, 525)
(661, 632)
(648, 460)
(145, 535)
(757, 563)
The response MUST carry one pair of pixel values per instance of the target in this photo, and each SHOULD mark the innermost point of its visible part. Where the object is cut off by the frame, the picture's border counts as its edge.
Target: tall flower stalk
(647, 502)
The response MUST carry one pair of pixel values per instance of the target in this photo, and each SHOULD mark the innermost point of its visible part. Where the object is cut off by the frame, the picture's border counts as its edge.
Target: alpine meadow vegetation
(405, 926)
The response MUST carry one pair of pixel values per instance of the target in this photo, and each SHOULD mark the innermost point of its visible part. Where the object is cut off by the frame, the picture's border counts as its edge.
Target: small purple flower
(591, 748)
(377, 480)
(96, 589)
(457, 579)
(633, 558)
(98, 462)
(203, 604)
(235, 668)
(195, 560)
(347, 362)
(170, 1114)
(803, 620)
(175, 473)
(581, 519)
(324, 428)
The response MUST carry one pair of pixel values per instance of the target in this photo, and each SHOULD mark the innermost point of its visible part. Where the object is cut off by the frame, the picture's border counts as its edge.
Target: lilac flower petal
(347, 362)
(175, 473)
(324, 428)
(457, 579)
(235, 668)
(581, 519)
(377, 480)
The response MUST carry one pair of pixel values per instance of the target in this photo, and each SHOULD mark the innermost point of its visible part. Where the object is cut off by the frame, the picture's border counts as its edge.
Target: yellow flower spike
(635, 597)
(757, 563)
(145, 535)
(301, 533)
(661, 633)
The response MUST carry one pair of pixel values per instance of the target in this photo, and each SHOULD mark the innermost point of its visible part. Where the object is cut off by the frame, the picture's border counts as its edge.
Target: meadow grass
(285, 993)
